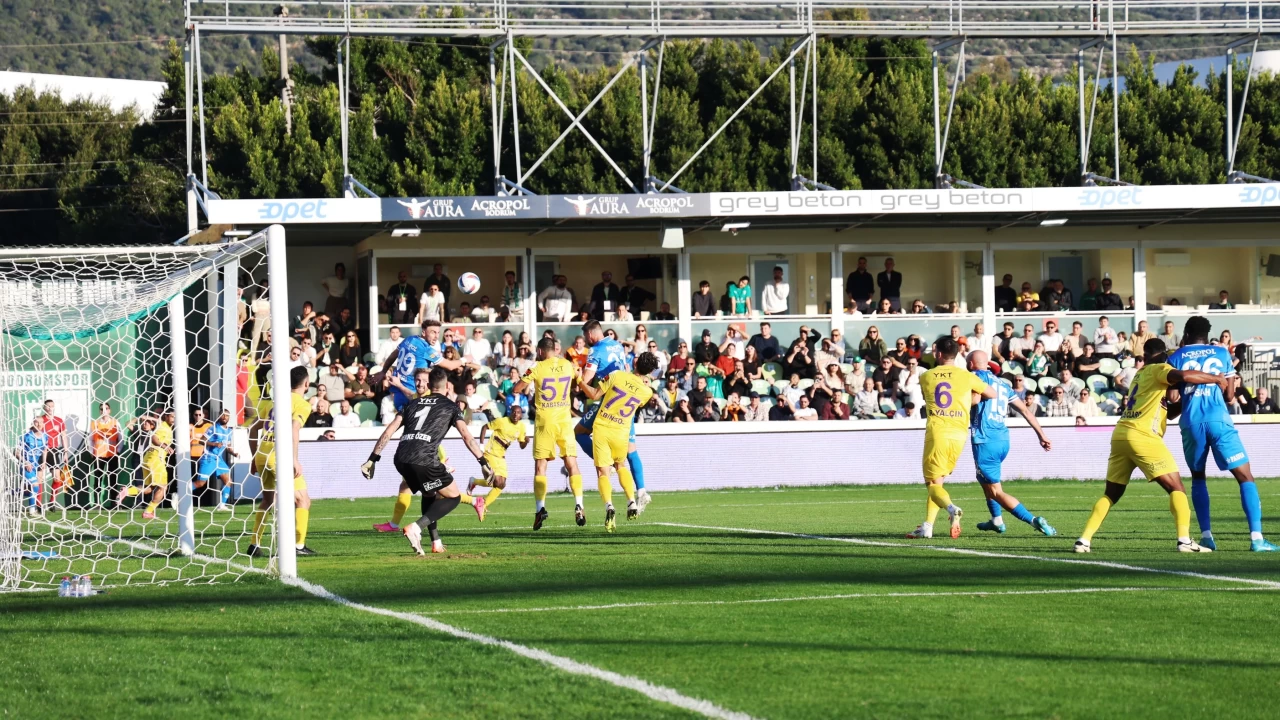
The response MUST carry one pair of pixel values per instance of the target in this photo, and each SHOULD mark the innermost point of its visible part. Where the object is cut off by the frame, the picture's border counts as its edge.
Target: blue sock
(1022, 513)
(637, 468)
(994, 507)
(584, 442)
(1252, 506)
(1200, 498)
(226, 493)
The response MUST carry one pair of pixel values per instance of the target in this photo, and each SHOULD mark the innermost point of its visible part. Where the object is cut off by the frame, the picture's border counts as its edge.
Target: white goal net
(127, 379)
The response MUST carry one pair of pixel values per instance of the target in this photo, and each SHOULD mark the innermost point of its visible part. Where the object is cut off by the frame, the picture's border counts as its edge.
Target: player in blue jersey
(989, 435)
(32, 452)
(213, 463)
(1206, 427)
(414, 353)
(605, 357)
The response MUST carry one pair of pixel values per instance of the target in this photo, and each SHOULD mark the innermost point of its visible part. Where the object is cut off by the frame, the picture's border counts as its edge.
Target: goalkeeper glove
(367, 468)
(485, 469)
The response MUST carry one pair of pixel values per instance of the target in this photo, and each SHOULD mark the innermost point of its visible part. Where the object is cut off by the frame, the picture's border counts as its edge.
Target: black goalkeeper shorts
(424, 478)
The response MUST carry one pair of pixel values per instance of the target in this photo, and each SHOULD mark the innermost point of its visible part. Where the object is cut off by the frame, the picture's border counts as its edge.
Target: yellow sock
(492, 497)
(466, 499)
(301, 518)
(939, 495)
(133, 491)
(402, 506)
(480, 481)
(575, 485)
(628, 482)
(1100, 510)
(1181, 513)
(259, 519)
(540, 487)
(151, 506)
(606, 488)
(930, 510)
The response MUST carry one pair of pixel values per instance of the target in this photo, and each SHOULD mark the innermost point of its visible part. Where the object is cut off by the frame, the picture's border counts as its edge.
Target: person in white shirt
(346, 418)
(909, 382)
(431, 305)
(336, 287)
(1105, 338)
(1051, 338)
(295, 358)
(388, 346)
(1085, 406)
(908, 412)
(478, 349)
(803, 411)
(793, 392)
(1124, 378)
(308, 351)
(475, 402)
(734, 345)
(837, 342)
(663, 360)
(1021, 348)
(773, 298)
(980, 340)
(556, 301)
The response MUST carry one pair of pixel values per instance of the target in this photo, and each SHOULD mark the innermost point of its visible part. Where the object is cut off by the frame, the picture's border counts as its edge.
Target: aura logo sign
(286, 210)
(1102, 198)
(1260, 195)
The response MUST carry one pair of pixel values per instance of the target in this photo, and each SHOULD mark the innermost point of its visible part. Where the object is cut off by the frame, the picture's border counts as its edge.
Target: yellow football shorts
(268, 475)
(497, 464)
(941, 453)
(154, 472)
(1135, 450)
(553, 441)
(609, 449)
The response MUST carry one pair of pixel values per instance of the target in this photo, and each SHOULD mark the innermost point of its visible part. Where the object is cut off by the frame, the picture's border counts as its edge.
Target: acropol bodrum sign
(463, 208)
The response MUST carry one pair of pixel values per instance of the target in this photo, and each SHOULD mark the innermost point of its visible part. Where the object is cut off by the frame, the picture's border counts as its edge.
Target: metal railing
(705, 18)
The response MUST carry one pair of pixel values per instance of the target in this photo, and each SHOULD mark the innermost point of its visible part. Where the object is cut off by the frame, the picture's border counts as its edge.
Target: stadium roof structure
(1096, 23)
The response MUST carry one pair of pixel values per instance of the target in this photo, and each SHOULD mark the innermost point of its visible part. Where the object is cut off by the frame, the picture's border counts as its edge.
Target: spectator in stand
(346, 418)
(556, 302)
(1105, 340)
(853, 380)
(952, 308)
(1170, 336)
(605, 296)
(662, 358)
(1085, 405)
(866, 403)
(478, 350)
(320, 413)
(860, 287)
(477, 406)
(1140, 338)
(909, 382)
(351, 353)
(504, 353)
(664, 312)
(512, 295)
(706, 351)
(1060, 406)
(671, 393)
(510, 398)
(800, 358)
(704, 303)
(578, 352)
(820, 395)
(837, 342)
(1124, 378)
(336, 382)
(652, 412)
(1006, 296)
(1089, 301)
(979, 340)
(1001, 344)
(1224, 302)
(699, 395)
(335, 287)
(774, 297)
(1237, 402)
(755, 411)
(919, 308)
(737, 382)
(1060, 298)
(886, 377)
(432, 305)
(961, 341)
(680, 362)
(899, 355)
(1107, 300)
(464, 313)
(1038, 363)
(1028, 296)
(304, 325)
(792, 391)
(837, 409)
(1077, 340)
(1087, 363)
(624, 313)
(483, 312)
(402, 300)
(781, 411)
(1263, 404)
(908, 413)
(890, 284)
(634, 296)
(804, 411)
(740, 296)
(752, 365)
(1021, 349)
(733, 410)
(1019, 388)
(826, 355)
(1122, 346)
(441, 281)
(765, 344)
(1052, 340)
(872, 347)
(360, 388)
(832, 377)
(295, 358)
(682, 412)
(735, 342)
(342, 324)
(886, 308)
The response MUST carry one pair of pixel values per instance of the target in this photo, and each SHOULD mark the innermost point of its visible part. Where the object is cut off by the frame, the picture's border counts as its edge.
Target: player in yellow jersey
(1138, 442)
(502, 432)
(155, 463)
(948, 392)
(264, 464)
(552, 382)
(620, 397)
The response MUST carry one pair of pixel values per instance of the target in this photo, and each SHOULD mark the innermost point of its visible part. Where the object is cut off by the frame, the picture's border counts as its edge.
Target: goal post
(108, 359)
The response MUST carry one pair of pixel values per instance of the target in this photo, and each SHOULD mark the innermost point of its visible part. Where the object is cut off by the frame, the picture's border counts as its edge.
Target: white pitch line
(569, 665)
(980, 553)
(844, 596)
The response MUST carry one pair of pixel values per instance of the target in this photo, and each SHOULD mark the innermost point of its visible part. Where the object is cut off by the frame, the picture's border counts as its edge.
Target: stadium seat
(370, 357)
(1046, 384)
(806, 383)
(1098, 383)
(719, 402)
(780, 387)
(1029, 384)
(771, 371)
(1108, 367)
(314, 374)
(887, 407)
(1011, 368)
(1077, 385)
(1111, 402)
(1041, 402)
(366, 411)
(928, 360)
(486, 391)
(767, 402)
(366, 423)
(1127, 363)
(761, 386)
(310, 393)
(846, 368)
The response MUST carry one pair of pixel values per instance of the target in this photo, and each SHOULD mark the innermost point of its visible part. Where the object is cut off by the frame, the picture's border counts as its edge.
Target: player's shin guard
(606, 488)
(939, 496)
(226, 494)
(1181, 513)
(492, 497)
(637, 468)
(575, 486)
(1252, 505)
(259, 519)
(433, 509)
(402, 506)
(584, 442)
(301, 521)
(994, 508)
(540, 491)
(1100, 510)
(628, 483)
(930, 510)
(1200, 498)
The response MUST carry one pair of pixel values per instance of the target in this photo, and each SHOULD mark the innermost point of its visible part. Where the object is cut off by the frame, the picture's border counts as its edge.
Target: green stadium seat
(370, 357)
(1108, 367)
(780, 387)
(771, 371)
(1029, 384)
(1046, 384)
(1098, 383)
(805, 384)
(1011, 368)
(366, 411)
(761, 386)
(1077, 385)
(1127, 362)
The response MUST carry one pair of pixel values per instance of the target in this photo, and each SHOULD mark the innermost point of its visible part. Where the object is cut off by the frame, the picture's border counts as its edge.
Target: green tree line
(420, 126)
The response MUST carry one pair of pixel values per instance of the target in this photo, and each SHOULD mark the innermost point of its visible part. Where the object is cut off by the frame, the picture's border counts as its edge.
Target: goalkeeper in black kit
(426, 419)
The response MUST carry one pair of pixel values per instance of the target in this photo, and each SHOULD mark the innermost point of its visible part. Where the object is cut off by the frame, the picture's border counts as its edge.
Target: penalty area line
(981, 553)
(655, 692)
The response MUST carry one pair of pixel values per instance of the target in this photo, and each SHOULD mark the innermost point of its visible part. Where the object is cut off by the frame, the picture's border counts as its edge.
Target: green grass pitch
(794, 625)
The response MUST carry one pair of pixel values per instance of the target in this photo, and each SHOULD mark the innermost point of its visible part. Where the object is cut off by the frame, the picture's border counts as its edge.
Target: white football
(469, 283)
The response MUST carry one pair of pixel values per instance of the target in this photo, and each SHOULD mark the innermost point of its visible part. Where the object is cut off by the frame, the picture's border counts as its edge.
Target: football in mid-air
(469, 283)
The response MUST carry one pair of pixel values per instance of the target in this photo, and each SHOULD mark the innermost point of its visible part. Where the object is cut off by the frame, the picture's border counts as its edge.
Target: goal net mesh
(93, 479)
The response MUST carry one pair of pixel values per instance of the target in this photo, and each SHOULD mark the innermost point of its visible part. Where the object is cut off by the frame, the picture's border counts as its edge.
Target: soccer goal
(115, 364)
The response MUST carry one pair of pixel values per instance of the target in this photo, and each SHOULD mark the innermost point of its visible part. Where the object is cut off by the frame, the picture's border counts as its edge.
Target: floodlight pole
(1086, 132)
(939, 135)
(494, 124)
(181, 403)
(1233, 136)
(344, 84)
(281, 415)
(193, 223)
